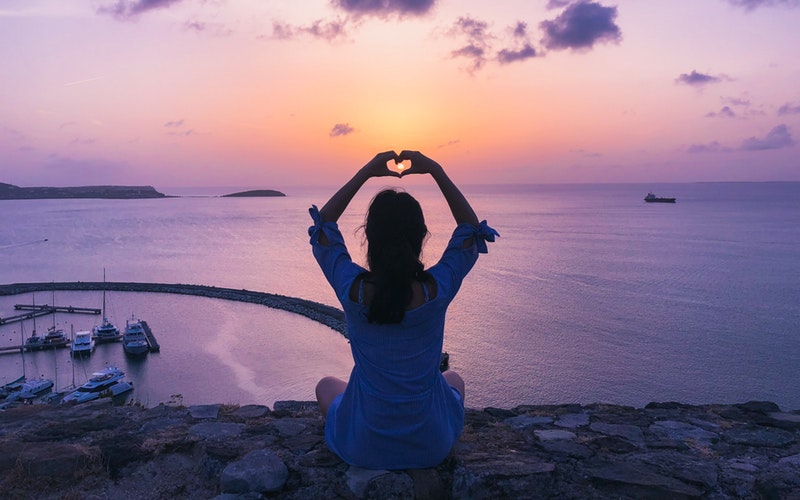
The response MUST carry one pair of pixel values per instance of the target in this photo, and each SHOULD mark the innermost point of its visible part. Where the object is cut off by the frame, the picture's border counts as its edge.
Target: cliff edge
(665, 450)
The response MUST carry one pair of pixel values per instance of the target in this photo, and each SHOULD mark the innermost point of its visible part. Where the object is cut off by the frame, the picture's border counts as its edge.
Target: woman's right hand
(378, 166)
(420, 164)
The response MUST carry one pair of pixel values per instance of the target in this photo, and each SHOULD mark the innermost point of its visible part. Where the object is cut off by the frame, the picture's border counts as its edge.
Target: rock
(632, 433)
(681, 431)
(216, 430)
(251, 411)
(554, 434)
(525, 421)
(788, 421)
(204, 412)
(759, 436)
(259, 471)
(502, 476)
(289, 427)
(358, 479)
(759, 406)
(642, 476)
(573, 420)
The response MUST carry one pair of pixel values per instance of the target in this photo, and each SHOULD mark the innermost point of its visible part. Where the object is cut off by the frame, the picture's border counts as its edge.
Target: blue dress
(397, 412)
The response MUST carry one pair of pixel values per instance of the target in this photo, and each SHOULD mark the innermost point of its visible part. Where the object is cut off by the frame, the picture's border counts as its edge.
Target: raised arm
(376, 167)
(459, 206)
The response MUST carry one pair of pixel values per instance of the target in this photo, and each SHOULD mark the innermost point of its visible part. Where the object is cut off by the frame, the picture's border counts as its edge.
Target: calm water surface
(589, 295)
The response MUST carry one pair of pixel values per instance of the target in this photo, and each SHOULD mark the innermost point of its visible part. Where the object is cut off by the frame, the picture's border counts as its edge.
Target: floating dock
(151, 339)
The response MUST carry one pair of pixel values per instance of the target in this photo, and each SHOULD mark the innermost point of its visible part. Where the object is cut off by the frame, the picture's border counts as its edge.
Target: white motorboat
(83, 344)
(134, 340)
(106, 383)
(31, 388)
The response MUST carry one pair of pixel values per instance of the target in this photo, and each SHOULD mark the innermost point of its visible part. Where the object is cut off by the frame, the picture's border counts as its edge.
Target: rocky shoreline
(665, 450)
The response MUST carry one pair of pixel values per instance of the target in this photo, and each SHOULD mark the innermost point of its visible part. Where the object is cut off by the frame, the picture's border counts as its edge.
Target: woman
(397, 411)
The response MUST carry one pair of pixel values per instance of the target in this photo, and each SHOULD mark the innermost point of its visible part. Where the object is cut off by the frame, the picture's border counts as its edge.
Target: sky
(271, 94)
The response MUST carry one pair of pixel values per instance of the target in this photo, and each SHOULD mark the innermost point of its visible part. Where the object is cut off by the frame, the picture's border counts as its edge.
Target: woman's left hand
(377, 167)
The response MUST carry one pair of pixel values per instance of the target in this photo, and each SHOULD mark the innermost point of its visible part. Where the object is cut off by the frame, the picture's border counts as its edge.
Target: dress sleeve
(333, 258)
(458, 259)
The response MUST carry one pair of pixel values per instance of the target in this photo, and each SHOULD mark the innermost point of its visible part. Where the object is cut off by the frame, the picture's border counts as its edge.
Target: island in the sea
(255, 193)
(11, 192)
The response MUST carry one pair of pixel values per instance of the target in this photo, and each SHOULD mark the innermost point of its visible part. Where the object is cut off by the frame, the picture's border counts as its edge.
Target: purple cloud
(777, 138)
(383, 8)
(507, 56)
(789, 109)
(725, 112)
(174, 123)
(697, 79)
(129, 9)
(711, 147)
(580, 26)
(341, 129)
(524, 51)
(754, 4)
(320, 29)
(478, 41)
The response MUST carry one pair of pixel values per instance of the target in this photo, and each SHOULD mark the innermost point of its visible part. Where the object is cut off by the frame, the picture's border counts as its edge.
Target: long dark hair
(395, 230)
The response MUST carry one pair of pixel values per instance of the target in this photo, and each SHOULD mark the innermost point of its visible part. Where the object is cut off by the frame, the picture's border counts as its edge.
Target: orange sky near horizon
(265, 94)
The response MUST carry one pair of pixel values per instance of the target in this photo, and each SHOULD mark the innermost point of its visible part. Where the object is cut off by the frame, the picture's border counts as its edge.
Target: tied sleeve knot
(484, 233)
(317, 218)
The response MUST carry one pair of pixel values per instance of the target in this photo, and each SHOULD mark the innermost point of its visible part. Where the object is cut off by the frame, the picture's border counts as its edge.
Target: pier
(34, 311)
(151, 339)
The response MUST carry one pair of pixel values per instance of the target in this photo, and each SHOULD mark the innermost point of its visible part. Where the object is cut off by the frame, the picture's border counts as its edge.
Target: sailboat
(28, 389)
(106, 331)
(34, 342)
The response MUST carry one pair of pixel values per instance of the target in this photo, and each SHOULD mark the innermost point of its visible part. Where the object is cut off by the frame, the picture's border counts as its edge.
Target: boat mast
(104, 295)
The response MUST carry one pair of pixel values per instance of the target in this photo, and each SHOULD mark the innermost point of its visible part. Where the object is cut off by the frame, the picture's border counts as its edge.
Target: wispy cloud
(385, 8)
(789, 108)
(126, 10)
(81, 82)
(449, 143)
(778, 138)
(580, 26)
(697, 79)
(321, 29)
(725, 112)
(478, 41)
(341, 129)
(523, 49)
(755, 4)
(176, 128)
(710, 147)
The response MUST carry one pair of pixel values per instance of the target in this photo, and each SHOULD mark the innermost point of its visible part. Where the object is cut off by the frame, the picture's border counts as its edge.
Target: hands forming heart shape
(398, 166)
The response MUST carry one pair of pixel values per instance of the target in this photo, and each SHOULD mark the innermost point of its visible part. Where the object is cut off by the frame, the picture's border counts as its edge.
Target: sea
(589, 294)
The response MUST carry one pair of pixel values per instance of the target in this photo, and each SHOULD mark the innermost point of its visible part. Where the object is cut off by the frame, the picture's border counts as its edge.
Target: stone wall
(665, 450)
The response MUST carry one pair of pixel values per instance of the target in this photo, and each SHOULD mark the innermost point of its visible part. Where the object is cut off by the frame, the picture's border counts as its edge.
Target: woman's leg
(455, 380)
(327, 389)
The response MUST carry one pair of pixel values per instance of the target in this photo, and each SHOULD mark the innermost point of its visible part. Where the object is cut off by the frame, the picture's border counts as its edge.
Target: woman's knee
(455, 380)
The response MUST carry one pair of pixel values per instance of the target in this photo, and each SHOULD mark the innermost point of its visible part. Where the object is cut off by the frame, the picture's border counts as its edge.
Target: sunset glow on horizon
(273, 94)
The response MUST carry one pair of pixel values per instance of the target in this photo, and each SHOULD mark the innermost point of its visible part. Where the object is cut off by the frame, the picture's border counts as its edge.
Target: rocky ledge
(665, 450)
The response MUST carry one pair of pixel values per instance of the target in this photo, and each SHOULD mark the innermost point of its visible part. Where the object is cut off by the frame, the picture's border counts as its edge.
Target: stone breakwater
(665, 450)
(327, 315)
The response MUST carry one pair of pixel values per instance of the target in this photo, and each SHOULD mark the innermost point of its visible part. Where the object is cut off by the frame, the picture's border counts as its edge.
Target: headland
(11, 192)
(255, 193)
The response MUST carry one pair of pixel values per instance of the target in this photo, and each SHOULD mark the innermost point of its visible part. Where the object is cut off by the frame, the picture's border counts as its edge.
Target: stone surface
(600, 451)
(259, 471)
